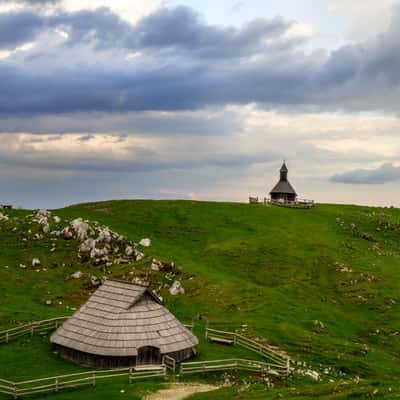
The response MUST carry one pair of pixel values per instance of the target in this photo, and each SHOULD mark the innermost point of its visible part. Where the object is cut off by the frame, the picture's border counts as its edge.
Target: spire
(284, 171)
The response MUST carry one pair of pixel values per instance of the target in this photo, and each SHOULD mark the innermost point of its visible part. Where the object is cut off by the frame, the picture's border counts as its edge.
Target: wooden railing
(36, 327)
(274, 358)
(56, 383)
(230, 364)
(299, 203)
(169, 363)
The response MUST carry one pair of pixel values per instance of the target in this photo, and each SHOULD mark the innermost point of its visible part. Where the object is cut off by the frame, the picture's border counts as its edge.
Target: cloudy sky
(198, 99)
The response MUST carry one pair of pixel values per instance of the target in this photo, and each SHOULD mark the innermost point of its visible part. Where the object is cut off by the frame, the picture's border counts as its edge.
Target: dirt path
(179, 391)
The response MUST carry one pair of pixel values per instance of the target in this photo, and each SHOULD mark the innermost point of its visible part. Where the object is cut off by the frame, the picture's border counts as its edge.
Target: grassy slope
(271, 268)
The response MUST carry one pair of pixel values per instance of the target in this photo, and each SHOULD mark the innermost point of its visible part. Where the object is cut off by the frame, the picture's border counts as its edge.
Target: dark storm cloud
(203, 123)
(18, 27)
(190, 67)
(178, 29)
(383, 174)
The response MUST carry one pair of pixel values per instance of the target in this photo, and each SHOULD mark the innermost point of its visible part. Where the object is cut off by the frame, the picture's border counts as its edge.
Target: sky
(198, 99)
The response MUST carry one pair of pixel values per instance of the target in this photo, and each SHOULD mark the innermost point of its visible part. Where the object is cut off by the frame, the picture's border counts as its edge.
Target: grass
(270, 271)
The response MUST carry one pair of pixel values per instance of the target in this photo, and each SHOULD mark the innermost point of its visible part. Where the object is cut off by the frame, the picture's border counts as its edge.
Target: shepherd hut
(123, 324)
(283, 191)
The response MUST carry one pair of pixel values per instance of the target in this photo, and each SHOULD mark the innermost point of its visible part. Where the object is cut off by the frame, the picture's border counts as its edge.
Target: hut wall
(93, 360)
(182, 354)
(283, 196)
(108, 362)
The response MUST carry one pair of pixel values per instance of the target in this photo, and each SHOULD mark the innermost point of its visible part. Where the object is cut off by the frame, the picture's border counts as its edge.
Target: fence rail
(275, 359)
(275, 362)
(170, 363)
(36, 327)
(56, 383)
(230, 364)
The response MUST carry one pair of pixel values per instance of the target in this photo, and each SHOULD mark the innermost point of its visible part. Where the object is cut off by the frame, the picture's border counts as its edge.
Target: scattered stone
(3, 217)
(87, 246)
(56, 219)
(95, 281)
(145, 242)
(49, 302)
(138, 255)
(67, 235)
(156, 265)
(176, 289)
(35, 262)
(23, 266)
(129, 250)
(81, 228)
(77, 275)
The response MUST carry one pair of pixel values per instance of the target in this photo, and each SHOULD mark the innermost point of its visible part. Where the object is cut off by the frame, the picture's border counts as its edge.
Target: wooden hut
(283, 191)
(121, 325)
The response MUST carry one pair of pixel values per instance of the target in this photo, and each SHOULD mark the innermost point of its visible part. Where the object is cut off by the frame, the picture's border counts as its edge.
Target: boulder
(81, 228)
(77, 275)
(56, 219)
(35, 262)
(105, 236)
(95, 281)
(67, 235)
(176, 289)
(129, 250)
(3, 217)
(87, 246)
(138, 255)
(156, 265)
(145, 242)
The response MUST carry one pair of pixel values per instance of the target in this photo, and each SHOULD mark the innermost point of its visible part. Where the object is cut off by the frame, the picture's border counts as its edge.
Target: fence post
(6, 337)
(94, 379)
(32, 330)
(130, 375)
(206, 334)
(288, 366)
(15, 391)
(56, 384)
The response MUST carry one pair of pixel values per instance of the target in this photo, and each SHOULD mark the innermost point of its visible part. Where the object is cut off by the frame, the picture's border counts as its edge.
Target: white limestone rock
(81, 228)
(3, 217)
(67, 235)
(77, 275)
(145, 242)
(156, 265)
(35, 262)
(176, 289)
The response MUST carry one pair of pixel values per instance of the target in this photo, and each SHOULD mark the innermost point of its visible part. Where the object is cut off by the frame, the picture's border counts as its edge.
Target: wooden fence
(275, 362)
(275, 359)
(36, 327)
(230, 364)
(170, 363)
(89, 378)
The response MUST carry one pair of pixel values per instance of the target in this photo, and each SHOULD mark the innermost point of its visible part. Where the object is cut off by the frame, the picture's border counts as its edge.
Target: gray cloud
(202, 123)
(19, 27)
(176, 29)
(385, 173)
(188, 67)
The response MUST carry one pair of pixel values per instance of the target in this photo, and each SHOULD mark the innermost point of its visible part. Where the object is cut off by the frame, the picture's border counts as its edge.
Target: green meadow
(321, 284)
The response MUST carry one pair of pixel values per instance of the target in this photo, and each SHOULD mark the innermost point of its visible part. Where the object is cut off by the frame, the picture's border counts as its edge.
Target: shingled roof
(118, 319)
(283, 187)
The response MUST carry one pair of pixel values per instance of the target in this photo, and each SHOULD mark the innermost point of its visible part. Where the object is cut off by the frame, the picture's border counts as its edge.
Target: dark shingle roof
(283, 187)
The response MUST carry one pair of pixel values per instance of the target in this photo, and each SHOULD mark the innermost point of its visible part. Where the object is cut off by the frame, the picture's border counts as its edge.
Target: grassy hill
(322, 284)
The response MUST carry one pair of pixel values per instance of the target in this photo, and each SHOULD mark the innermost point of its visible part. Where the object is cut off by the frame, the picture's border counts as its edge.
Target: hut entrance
(148, 355)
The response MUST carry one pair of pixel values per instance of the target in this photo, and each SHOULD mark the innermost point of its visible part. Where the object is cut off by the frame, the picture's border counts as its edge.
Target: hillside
(322, 284)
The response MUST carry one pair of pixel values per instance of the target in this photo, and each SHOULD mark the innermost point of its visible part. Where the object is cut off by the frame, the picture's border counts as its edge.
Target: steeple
(284, 172)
